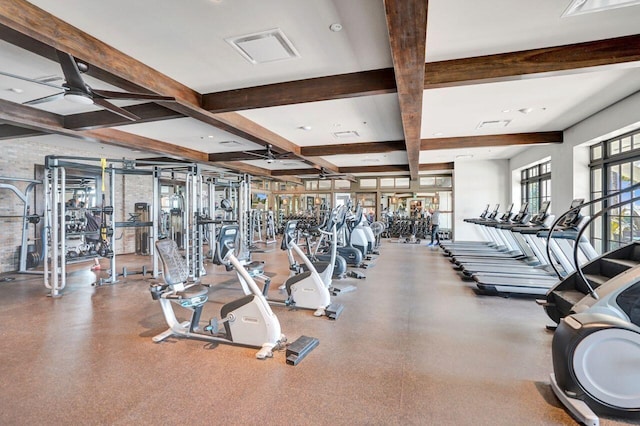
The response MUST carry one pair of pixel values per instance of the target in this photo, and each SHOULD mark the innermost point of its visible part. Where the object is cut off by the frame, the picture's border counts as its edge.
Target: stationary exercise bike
(305, 290)
(247, 321)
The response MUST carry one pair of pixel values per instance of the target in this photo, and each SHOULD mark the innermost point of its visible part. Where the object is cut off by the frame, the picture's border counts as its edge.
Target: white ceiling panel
(191, 133)
(463, 28)
(278, 164)
(373, 118)
(556, 102)
(380, 159)
(186, 40)
(470, 154)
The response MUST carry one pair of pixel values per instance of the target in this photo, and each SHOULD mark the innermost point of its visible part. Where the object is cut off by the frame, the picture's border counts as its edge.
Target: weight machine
(27, 259)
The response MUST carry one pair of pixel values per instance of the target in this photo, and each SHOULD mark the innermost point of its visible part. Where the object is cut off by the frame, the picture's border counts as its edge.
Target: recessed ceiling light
(16, 90)
(335, 27)
(525, 110)
(438, 134)
(506, 110)
(305, 128)
(580, 7)
(210, 136)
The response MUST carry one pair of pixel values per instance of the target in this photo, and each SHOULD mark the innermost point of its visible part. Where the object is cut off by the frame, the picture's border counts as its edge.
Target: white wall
(569, 160)
(476, 184)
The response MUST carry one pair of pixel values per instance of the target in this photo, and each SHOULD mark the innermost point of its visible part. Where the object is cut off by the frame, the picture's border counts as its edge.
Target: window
(615, 165)
(369, 183)
(535, 184)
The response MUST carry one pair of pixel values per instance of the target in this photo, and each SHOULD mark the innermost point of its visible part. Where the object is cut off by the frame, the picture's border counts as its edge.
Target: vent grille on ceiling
(230, 143)
(581, 7)
(266, 46)
(493, 124)
(346, 134)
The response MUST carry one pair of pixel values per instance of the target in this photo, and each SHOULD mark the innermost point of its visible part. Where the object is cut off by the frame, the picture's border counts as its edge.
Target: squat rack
(26, 218)
(105, 169)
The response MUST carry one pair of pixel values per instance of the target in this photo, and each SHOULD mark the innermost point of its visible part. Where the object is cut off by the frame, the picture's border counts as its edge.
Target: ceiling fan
(76, 90)
(269, 156)
(328, 174)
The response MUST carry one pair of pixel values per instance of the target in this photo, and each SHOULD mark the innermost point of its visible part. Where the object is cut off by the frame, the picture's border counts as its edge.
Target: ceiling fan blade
(115, 109)
(32, 80)
(256, 154)
(71, 72)
(108, 94)
(44, 99)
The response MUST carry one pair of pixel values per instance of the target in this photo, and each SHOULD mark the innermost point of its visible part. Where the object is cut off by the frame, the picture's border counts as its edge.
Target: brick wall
(19, 160)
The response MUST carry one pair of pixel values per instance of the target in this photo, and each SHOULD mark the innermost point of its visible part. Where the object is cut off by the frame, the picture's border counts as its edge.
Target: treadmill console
(524, 211)
(542, 213)
(494, 213)
(507, 214)
(573, 218)
(485, 212)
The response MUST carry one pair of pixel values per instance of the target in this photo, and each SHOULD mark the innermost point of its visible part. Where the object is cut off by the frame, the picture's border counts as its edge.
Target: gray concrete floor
(414, 346)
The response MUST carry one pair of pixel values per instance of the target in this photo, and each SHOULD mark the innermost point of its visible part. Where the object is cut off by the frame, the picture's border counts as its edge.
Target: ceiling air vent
(230, 143)
(493, 124)
(580, 7)
(346, 134)
(266, 46)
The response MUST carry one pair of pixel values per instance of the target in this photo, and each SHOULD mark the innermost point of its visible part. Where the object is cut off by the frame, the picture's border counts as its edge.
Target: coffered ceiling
(405, 86)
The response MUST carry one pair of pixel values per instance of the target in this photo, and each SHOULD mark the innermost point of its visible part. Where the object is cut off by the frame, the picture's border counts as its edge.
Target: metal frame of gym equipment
(24, 197)
(55, 209)
(202, 204)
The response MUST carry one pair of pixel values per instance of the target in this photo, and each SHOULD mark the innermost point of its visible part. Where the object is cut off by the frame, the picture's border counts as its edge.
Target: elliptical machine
(596, 349)
(322, 260)
(247, 321)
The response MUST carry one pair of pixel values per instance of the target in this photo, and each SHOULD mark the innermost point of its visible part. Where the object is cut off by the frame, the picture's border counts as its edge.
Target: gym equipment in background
(247, 321)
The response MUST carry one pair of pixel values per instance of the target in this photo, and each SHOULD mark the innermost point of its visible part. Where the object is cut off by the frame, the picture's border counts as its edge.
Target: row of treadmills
(518, 256)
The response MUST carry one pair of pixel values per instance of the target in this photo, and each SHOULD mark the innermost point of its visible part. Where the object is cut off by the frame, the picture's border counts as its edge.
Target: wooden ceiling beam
(365, 83)
(47, 122)
(430, 167)
(9, 131)
(352, 148)
(457, 72)
(376, 169)
(217, 157)
(31, 118)
(131, 141)
(407, 25)
(294, 172)
(491, 140)
(148, 112)
(513, 65)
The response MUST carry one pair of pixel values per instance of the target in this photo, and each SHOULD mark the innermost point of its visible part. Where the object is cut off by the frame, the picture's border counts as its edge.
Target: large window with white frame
(535, 185)
(615, 165)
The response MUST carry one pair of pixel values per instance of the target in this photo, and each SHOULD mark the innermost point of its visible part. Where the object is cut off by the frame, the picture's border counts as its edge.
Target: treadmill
(500, 283)
(517, 249)
(524, 233)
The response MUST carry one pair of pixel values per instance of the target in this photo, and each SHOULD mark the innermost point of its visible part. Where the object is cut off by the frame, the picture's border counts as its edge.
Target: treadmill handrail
(577, 209)
(592, 291)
